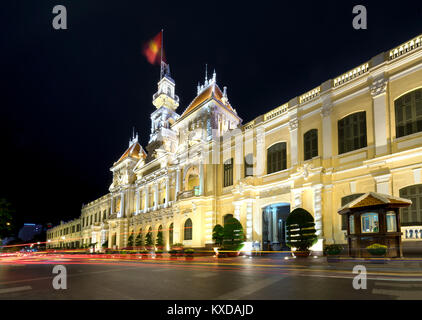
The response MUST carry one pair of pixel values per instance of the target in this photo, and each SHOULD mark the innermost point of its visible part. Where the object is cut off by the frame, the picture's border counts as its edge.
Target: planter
(333, 259)
(302, 254)
(233, 254)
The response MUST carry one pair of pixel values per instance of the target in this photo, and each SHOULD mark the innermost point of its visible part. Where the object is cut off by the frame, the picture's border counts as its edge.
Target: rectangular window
(391, 221)
(408, 111)
(352, 224)
(369, 222)
(352, 132)
(310, 144)
(228, 173)
(249, 165)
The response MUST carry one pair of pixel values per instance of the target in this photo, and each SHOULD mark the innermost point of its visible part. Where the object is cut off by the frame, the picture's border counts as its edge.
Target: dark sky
(69, 98)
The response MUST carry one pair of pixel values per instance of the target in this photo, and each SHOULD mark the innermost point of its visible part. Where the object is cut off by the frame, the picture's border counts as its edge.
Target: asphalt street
(203, 278)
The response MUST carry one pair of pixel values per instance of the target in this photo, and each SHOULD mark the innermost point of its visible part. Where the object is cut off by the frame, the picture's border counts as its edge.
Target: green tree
(300, 230)
(218, 234)
(139, 241)
(233, 235)
(148, 239)
(130, 240)
(105, 244)
(6, 217)
(159, 242)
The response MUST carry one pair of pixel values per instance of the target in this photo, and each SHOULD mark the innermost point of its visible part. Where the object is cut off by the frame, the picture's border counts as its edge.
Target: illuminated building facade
(357, 133)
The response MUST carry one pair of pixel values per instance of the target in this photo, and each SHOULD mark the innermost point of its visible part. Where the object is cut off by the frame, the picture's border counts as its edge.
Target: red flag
(153, 49)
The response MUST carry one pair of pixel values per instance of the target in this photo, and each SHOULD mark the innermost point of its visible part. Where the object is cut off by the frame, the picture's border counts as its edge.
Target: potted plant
(177, 247)
(158, 253)
(332, 251)
(149, 242)
(218, 235)
(173, 254)
(130, 240)
(144, 254)
(233, 237)
(189, 254)
(300, 232)
(378, 251)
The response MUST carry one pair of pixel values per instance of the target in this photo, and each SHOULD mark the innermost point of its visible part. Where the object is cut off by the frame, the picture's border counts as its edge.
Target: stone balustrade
(406, 47)
(351, 74)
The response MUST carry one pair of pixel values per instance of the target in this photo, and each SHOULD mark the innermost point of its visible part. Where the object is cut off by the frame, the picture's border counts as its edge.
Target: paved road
(202, 278)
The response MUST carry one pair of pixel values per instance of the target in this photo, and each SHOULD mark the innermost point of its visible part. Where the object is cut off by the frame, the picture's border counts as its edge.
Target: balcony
(188, 193)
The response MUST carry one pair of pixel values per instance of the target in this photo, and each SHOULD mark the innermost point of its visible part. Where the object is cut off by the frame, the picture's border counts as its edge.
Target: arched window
(412, 216)
(345, 200)
(188, 230)
(408, 109)
(249, 165)
(276, 158)
(310, 144)
(171, 234)
(227, 217)
(228, 172)
(352, 132)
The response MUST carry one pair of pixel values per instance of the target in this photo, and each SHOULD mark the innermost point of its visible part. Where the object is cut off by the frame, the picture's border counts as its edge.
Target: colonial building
(359, 132)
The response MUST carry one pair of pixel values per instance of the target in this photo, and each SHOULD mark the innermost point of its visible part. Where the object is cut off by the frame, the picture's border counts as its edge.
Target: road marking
(15, 289)
(204, 275)
(249, 289)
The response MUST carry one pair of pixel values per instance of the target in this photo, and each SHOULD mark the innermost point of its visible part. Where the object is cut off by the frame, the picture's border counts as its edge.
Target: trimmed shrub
(218, 234)
(300, 230)
(333, 249)
(377, 249)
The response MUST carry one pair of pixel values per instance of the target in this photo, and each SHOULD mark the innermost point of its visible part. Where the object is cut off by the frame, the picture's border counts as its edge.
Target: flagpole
(161, 54)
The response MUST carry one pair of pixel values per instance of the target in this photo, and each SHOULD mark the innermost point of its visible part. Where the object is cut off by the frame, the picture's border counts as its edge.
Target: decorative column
(201, 178)
(122, 204)
(327, 107)
(293, 124)
(297, 198)
(260, 151)
(146, 191)
(111, 204)
(274, 225)
(137, 200)
(167, 191)
(318, 210)
(177, 182)
(378, 92)
(249, 222)
(156, 195)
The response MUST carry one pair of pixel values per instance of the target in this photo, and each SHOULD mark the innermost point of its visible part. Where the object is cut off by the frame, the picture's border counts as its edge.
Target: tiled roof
(374, 199)
(211, 92)
(134, 151)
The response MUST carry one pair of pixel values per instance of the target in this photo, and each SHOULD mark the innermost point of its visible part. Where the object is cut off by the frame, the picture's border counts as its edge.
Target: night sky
(69, 98)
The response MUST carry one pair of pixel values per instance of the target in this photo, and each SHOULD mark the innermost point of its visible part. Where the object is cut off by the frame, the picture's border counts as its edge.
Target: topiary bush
(333, 249)
(377, 249)
(148, 239)
(233, 236)
(130, 240)
(300, 230)
(218, 234)
(139, 241)
(159, 242)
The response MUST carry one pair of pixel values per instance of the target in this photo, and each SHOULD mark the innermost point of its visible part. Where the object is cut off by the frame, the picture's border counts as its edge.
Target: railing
(275, 112)
(308, 96)
(249, 125)
(406, 47)
(351, 74)
(188, 193)
(157, 94)
(412, 233)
